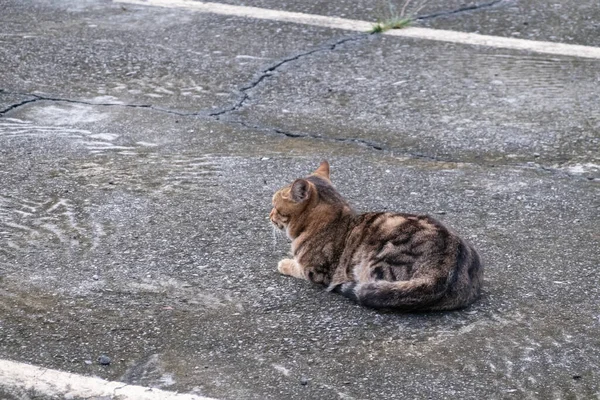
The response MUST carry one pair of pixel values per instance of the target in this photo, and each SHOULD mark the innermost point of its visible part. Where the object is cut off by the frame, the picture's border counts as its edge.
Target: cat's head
(310, 197)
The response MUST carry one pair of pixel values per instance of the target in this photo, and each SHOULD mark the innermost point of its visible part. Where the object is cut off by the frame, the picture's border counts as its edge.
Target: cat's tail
(412, 295)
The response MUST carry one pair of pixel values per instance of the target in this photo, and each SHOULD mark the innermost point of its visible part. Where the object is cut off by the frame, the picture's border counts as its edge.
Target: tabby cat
(378, 259)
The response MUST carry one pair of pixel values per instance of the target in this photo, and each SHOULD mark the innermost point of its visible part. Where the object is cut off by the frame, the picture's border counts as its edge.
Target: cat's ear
(323, 170)
(300, 190)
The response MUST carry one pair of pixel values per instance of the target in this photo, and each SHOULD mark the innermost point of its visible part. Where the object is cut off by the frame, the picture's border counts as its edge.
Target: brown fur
(378, 259)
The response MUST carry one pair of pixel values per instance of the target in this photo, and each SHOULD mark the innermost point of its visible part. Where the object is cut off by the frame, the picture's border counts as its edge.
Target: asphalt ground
(140, 147)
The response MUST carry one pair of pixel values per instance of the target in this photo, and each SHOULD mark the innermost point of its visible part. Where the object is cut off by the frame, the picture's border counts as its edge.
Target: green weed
(395, 19)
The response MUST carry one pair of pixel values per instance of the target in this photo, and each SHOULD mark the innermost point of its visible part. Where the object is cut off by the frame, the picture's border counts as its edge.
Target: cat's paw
(286, 266)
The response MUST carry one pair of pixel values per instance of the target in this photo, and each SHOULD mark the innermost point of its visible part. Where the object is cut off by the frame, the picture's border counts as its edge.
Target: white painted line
(563, 49)
(257, 13)
(18, 378)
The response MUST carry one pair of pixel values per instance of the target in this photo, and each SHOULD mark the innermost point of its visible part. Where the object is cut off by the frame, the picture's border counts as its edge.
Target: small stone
(536, 155)
(88, 362)
(441, 212)
(265, 159)
(303, 381)
(104, 360)
(95, 277)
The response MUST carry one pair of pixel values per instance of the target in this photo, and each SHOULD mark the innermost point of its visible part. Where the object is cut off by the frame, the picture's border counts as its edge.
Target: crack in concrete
(474, 7)
(268, 72)
(362, 142)
(294, 135)
(264, 74)
(357, 141)
(17, 105)
(396, 153)
(37, 98)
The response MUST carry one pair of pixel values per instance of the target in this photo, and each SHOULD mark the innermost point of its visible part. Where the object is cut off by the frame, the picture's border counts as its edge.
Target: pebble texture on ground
(137, 167)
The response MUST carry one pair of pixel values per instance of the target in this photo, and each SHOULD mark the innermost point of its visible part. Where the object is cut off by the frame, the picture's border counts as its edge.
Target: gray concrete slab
(142, 235)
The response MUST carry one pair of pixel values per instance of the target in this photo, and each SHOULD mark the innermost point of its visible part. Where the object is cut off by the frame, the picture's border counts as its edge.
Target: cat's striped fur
(378, 259)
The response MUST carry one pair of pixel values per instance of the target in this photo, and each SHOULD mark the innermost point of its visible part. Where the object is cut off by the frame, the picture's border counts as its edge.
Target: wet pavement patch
(135, 245)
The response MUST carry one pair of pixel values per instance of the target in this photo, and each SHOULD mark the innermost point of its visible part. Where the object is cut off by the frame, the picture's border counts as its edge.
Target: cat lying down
(378, 259)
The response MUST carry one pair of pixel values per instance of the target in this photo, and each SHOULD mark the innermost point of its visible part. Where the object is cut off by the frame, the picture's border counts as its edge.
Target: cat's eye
(284, 216)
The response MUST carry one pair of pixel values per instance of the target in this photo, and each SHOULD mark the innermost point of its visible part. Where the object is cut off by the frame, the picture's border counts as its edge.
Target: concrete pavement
(140, 147)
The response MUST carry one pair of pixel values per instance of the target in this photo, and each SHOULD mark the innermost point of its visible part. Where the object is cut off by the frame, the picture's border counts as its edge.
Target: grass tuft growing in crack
(393, 23)
(394, 19)
(377, 28)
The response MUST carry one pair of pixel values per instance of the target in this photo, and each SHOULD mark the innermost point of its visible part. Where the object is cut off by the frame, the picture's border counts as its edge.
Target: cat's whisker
(276, 235)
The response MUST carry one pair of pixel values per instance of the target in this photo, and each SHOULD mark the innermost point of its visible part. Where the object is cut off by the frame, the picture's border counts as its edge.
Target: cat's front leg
(290, 267)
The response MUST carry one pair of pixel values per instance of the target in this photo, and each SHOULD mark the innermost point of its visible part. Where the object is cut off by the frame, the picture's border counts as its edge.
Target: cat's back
(401, 230)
